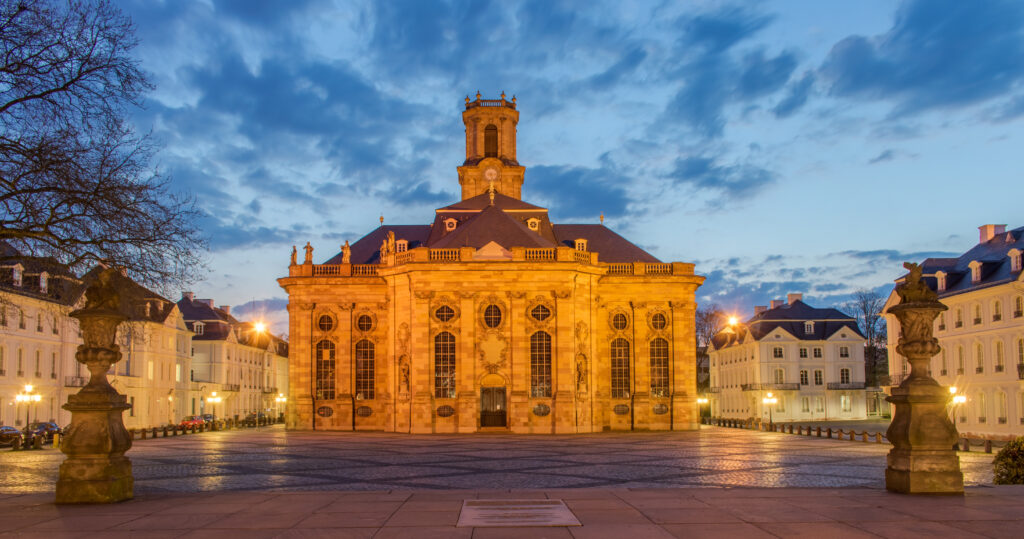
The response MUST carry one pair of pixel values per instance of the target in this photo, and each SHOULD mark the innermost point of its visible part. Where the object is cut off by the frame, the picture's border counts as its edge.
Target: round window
(492, 316)
(658, 321)
(444, 313)
(326, 323)
(364, 322)
(540, 313)
(619, 321)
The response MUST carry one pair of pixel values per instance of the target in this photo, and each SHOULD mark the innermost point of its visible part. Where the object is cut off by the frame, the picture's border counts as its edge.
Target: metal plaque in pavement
(509, 513)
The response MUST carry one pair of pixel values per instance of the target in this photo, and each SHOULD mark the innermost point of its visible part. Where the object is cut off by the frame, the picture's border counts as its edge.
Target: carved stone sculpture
(922, 460)
(346, 253)
(96, 469)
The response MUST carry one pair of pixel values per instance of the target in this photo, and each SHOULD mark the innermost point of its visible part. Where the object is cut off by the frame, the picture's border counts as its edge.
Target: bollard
(56, 440)
(37, 441)
(791, 429)
(878, 437)
(16, 444)
(165, 432)
(851, 435)
(988, 446)
(828, 433)
(154, 432)
(819, 432)
(142, 434)
(965, 445)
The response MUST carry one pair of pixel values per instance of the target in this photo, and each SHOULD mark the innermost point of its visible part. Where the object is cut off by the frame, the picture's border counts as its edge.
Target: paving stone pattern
(275, 460)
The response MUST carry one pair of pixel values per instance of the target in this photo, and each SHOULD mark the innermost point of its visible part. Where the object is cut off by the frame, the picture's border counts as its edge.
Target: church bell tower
(491, 148)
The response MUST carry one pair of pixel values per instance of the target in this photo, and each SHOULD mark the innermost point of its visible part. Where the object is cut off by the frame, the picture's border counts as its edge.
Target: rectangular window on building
(53, 365)
(803, 378)
(844, 376)
(781, 406)
(817, 353)
(620, 368)
(803, 353)
(844, 351)
(846, 403)
(149, 369)
(659, 367)
(819, 377)
(819, 404)
(444, 365)
(177, 372)
(780, 376)
(777, 352)
(365, 370)
(805, 404)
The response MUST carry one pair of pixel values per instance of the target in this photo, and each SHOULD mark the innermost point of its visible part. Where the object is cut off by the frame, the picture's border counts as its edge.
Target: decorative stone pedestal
(922, 460)
(96, 470)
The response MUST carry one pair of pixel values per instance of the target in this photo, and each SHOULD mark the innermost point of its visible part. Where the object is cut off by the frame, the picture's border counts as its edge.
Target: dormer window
(1015, 259)
(975, 271)
(581, 245)
(17, 275)
(197, 328)
(940, 278)
(808, 327)
(401, 246)
(43, 281)
(533, 224)
(450, 224)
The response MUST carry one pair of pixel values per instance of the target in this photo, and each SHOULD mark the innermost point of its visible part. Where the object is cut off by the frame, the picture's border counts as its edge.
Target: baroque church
(491, 318)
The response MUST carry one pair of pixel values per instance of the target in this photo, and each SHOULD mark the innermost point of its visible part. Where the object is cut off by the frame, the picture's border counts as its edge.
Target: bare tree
(75, 179)
(709, 321)
(866, 307)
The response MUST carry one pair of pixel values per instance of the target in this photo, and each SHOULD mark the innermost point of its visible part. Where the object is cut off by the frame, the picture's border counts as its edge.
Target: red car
(191, 421)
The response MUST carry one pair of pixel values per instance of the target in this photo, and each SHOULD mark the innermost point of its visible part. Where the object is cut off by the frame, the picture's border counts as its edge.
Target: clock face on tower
(491, 174)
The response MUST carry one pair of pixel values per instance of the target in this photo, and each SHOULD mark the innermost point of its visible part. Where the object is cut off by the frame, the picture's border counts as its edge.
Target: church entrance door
(492, 407)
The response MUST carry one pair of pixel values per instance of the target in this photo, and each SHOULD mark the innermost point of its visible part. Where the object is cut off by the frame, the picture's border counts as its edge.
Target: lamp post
(957, 400)
(28, 397)
(214, 399)
(259, 328)
(701, 401)
(279, 399)
(769, 401)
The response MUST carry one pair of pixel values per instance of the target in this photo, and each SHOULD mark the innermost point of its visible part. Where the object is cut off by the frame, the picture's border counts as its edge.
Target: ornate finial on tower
(478, 95)
(381, 220)
(503, 95)
(513, 100)
(467, 100)
(490, 192)
(602, 218)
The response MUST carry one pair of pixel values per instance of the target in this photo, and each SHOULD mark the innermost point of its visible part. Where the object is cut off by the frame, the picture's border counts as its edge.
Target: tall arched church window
(364, 369)
(491, 141)
(325, 370)
(620, 368)
(540, 364)
(659, 367)
(444, 365)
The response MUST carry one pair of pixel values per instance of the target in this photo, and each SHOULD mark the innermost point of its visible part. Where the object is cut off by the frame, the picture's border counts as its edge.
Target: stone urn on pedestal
(96, 469)
(922, 460)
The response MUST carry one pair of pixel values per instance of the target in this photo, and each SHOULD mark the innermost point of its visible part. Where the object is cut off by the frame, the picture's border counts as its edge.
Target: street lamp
(957, 401)
(259, 328)
(214, 399)
(279, 399)
(769, 401)
(27, 397)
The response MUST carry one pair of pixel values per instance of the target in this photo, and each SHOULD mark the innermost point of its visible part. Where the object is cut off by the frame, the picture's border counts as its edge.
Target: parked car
(43, 428)
(250, 420)
(8, 435)
(208, 418)
(191, 421)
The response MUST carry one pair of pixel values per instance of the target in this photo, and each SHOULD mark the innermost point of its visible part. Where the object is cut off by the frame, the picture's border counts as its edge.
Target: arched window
(540, 364)
(959, 317)
(21, 362)
(1020, 351)
(364, 369)
(1001, 407)
(444, 365)
(979, 356)
(1018, 307)
(977, 314)
(620, 369)
(945, 366)
(997, 311)
(325, 370)
(659, 367)
(959, 359)
(979, 402)
(1000, 365)
(491, 141)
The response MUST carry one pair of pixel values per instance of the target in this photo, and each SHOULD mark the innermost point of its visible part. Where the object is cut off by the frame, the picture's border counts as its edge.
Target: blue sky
(781, 146)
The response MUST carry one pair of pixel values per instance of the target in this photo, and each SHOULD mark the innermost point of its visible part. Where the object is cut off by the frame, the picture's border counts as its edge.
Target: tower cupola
(491, 148)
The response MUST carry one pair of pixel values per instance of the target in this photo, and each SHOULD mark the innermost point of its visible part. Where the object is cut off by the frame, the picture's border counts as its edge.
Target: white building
(981, 335)
(245, 365)
(810, 360)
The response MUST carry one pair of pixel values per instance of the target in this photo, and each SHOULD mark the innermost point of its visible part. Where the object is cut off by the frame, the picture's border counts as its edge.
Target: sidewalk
(749, 513)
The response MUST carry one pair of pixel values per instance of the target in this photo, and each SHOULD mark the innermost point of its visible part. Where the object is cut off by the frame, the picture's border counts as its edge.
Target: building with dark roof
(981, 334)
(491, 317)
(242, 364)
(809, 360)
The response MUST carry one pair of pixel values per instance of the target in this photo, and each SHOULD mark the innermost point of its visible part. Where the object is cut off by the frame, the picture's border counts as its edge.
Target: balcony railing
(977, 321)
(997, 317)
(540, 255)
(443, 255)
(714, 390)
(770, 386)
(75, 381)
(847, 385)
(979, 370)
(620, 269)
(232, 387)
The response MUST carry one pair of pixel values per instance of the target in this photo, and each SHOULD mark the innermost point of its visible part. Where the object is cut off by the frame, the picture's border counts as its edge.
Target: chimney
(207, 301)
(987, 232)
(758, 309)
(226, 309)
(776, 303)
(790, 298)
(188, 295)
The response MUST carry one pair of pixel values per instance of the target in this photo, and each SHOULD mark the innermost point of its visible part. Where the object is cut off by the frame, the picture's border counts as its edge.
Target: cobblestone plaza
(276, 460)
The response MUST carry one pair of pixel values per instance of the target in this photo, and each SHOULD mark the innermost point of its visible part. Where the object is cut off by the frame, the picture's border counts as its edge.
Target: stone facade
(510, 327)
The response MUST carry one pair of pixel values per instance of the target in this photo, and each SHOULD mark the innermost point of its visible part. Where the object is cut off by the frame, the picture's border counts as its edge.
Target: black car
(8, 435)
(43, 428)
(251, 419)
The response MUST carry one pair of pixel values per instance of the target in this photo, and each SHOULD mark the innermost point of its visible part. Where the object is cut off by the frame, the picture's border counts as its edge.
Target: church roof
(480, 202)
(492, 224)
(367, 249)
(609, 246)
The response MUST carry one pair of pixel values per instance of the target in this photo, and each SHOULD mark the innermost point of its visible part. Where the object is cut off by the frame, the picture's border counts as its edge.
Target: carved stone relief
(492, 351)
